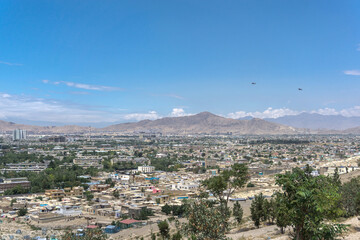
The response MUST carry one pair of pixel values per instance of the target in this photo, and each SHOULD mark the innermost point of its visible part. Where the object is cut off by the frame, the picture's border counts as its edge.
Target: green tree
(350, 196)
(250, 185)
(116, 194)
(336, 177)
(203, 194)
(89, 196)
(269, 206)
(282, 218)
(238, 212)
(153, 236)
(205, 221)
(176, 236)
(12, 202)
(22, 212)
(164, 229)
(178, 210)
(16, 190)
(229, 181)
(145, 213)
(311, 203)
(166, 209)
(258, 212)
(110, 182)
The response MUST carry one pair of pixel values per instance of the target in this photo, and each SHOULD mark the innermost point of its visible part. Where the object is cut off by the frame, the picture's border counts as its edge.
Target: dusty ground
(246, 231)
(354, 233)
(348, 176)
(273, 232)
(9, 227)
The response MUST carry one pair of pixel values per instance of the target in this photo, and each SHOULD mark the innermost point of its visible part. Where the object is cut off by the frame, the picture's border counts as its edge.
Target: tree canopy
(227, 182)
(311, 202)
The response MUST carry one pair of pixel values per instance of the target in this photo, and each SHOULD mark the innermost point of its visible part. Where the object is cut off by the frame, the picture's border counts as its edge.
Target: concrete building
(146, 169)
(55, 193)
(25, 166)
(55, 139)
(185, 186)
(69, 210)
(99, 187)
(10, 183)
(74, 192)
(160, 199)
(88, 161)
(19, 134)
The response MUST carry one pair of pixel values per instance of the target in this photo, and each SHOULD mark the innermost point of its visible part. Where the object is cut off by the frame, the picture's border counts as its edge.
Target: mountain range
(208, 123)
(9, 126)
(203, 122)
(316, 121)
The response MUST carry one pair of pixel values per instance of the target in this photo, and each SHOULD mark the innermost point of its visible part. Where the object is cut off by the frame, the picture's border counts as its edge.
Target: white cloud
(39, 109)
(352, 72)
(179, 112)
(48, 110)
(268, 113)
(346, 112)
(351, 112)
(326, 111)
(84, 86)
(151, 115)
(5, 95)
(239, 114)
(90, 87)
(275, 113)
(10, 64)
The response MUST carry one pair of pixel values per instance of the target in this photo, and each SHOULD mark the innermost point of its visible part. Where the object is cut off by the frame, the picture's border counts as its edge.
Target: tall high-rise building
(19, 134)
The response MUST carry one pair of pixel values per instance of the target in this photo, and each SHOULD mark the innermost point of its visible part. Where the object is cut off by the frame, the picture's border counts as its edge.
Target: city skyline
(77, 62)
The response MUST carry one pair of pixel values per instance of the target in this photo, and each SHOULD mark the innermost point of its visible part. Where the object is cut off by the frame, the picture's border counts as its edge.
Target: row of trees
(56, 177)
(308, 204)
(175, 210)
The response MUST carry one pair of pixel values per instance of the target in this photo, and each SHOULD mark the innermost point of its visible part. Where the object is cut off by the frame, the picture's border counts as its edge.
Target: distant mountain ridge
(316, 121)
(10, 126)
(204, 122)
(208, 123)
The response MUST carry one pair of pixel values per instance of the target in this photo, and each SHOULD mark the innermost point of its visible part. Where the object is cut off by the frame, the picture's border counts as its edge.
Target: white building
(185, 186)
(146, 169)
(19, 134)
(68, 210)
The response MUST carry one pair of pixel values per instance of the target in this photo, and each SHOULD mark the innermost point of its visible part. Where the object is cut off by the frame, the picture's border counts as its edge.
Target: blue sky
(116, 61)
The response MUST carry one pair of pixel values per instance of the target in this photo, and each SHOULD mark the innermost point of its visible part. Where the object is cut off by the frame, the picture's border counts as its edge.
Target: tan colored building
(74, 192)
(99, 187)
(161, 199)
(88, 161)
(11, 183)
(54, 193)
